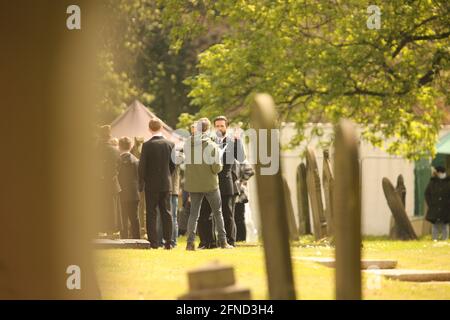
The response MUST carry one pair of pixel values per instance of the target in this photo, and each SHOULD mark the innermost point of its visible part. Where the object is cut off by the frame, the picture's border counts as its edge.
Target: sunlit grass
(160, 274)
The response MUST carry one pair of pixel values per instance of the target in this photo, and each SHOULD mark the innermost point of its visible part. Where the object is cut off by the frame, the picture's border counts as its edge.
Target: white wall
(375, 164)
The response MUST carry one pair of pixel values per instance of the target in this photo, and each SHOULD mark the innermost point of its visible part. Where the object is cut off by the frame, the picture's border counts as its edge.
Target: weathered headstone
(413, 275)
(304, 224)
(328, 185)
(347, 206)
(404, 227)
(121, 244)
(274, 225)
(315, 195)
(365, 263)
(293, 230)
(214, 282)
(400, 188)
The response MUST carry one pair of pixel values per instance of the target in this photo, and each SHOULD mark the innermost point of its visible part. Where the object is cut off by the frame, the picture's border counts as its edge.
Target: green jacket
(201, 167)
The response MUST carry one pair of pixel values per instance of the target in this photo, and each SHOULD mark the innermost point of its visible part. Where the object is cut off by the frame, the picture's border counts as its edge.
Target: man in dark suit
(155, 174)
(129, 183)
(232, 150)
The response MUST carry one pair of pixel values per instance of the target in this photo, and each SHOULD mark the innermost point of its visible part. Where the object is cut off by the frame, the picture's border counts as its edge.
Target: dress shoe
(190, 246)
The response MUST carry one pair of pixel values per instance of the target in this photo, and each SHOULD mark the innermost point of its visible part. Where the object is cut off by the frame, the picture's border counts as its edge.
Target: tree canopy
(137, 61)
(321, 62)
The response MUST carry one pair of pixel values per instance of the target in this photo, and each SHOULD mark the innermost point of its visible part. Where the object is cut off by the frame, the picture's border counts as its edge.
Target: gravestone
(121, 244)
(293, 230)
(274, 224)
(328, 185)
(315, 195)
(365, 263)
(347, 206)
(413, 275)
(304, 224)
(400, 188)
(214, 282)
(404, 227)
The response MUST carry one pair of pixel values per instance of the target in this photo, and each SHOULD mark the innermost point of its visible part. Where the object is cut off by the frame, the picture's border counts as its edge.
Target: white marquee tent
(133, 122)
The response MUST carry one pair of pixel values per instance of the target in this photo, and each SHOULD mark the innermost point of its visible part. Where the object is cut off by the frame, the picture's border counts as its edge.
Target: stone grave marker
(214, 282)
(400, 188)
(413, 275)
(293, 230)
(304, 224)
(315, 195)
(274, 224)
(328, 185)
(121, 244)
(365, 263)
(347, 206)
(404, 228)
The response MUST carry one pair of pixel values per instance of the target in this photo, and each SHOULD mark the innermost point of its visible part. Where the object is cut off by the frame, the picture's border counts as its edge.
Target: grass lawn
(160, 274)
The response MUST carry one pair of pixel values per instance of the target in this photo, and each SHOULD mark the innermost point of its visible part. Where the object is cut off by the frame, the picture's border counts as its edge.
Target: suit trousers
(161, 201)
(208, 239)
(174, 209)
(239, 218)
(130, 213)
(228, 202)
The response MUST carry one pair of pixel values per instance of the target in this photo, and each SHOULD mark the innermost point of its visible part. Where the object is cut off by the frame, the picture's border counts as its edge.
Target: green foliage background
(321, 62)
(318, 59)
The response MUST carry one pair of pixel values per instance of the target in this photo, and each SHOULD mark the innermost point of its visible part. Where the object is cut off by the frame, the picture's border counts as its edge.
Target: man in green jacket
(202, 163)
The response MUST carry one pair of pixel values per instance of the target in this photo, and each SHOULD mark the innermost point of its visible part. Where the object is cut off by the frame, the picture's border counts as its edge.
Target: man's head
(440, 169)
(221, 125)
(441, 172)
(155, 125)
(105, 132)
(125, 144)
(203, 125)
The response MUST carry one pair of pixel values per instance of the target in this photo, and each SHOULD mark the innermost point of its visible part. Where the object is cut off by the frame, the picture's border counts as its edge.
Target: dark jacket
(234, 151)
(108, 174)
(156, 165)
(437, 196)
(128, 177)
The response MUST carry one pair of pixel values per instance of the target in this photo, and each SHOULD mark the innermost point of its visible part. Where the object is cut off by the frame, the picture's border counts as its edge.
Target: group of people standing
(214, 184)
